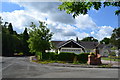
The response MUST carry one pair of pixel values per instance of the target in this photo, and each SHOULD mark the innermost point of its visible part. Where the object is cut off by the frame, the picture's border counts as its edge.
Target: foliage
(11, 41)
(20, 53)
(91, 39)
(115, 38)
(49, 61)
(83, 57)
(112, 58)
(112, 54)
(0, 43)
(39, 55)
(91, 53)
(39, 38)
(77, 8)
(114, 48)
(66, 56)
(105, 41)
(10, 28)
(105, 66)
(25, 38)
(50, 56)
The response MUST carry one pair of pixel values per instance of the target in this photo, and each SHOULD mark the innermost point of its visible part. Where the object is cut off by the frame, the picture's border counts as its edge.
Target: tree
(39, 38)
(10, 41)
(77, 8)
(1, 36)
(10, 28)
(91, 39)
(105, 41)
(25, 43)
(115, 38)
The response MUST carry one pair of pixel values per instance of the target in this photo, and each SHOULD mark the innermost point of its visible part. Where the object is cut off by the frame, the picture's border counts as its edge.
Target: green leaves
(91, 39)
(39, 38)
(77, 8)
(105, 41)
(117, 12)
(115, 38)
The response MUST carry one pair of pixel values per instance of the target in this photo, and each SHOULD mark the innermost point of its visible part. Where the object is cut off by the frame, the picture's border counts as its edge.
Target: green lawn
(112, 59)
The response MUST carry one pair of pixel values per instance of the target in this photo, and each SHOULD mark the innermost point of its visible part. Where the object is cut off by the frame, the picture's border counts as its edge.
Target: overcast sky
(98, 24)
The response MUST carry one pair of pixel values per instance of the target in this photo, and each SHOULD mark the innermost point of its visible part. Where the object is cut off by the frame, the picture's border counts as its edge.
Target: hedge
(49, 56)
(83, 57)
(66, 56)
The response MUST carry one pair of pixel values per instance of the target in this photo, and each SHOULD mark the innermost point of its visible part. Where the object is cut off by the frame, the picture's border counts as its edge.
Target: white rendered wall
(75, 50)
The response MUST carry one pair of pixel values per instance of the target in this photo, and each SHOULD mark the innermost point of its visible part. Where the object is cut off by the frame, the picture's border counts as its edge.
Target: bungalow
(74, 46)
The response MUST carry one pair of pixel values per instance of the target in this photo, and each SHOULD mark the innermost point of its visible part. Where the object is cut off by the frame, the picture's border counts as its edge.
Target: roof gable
(83, 44)
(67, 42)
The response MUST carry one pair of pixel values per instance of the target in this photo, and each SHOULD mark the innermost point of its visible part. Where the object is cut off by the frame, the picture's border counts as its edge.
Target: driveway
(21, 67)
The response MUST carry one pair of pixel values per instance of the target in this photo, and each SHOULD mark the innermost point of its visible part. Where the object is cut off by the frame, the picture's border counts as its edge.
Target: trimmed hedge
(49, 56)
(83, 57)
(66, 56)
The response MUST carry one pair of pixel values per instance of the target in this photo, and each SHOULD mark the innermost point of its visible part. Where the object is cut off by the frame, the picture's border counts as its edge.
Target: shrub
(91, 53)
(112, 54)
(49, 56)
(66, 56)
(83, 57)
(39, 55)
(20, 53)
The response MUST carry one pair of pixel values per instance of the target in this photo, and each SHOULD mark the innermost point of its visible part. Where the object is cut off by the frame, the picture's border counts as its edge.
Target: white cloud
(85, 22)
(19, 19)
(50, 9)
(61, 24)
(102, 31)
(80, 35)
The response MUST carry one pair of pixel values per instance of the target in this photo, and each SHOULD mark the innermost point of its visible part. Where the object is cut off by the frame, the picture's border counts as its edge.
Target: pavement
(21, 67)
(114, 63)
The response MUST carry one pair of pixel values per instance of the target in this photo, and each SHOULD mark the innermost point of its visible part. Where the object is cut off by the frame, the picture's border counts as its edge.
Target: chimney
(77, 39)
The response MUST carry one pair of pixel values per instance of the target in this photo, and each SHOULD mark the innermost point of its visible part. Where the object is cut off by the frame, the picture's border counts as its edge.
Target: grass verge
(112, 59)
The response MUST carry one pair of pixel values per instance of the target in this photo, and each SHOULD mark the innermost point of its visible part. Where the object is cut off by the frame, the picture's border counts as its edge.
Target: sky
(98, 24)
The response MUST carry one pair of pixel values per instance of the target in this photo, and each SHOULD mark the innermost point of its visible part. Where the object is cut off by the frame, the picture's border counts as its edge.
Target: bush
(66, 56)
(49, 56)
(39, 55)
(112, 54)
(83, 57)
(20, 53)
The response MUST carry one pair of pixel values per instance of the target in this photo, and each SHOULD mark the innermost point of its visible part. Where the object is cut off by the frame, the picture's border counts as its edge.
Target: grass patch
(105, 66)
(112, 58)
(48, 61)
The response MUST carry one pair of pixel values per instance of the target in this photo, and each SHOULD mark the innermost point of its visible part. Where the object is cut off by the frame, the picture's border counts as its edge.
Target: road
(21, 67)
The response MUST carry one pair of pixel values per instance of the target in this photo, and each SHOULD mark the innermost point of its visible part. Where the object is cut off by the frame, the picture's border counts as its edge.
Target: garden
(63, 57)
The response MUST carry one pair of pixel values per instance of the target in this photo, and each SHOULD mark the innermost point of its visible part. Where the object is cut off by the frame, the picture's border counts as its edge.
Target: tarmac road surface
(21, 67)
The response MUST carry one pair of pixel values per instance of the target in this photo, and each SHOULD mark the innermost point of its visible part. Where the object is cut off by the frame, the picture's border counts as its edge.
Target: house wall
(75, 50)
(89, 50)
(52, 50)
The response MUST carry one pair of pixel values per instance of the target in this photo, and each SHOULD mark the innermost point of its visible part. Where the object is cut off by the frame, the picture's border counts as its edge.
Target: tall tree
(10, 41)
(115, 38)
(77, 8)
(7, 43)
(1, 36)
(39, 38)
(105, 41)
(25, 43)
(25, 35)
(10, 28)
(91, 39)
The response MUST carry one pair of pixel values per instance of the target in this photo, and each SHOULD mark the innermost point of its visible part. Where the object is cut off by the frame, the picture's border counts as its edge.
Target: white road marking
(7, 66)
